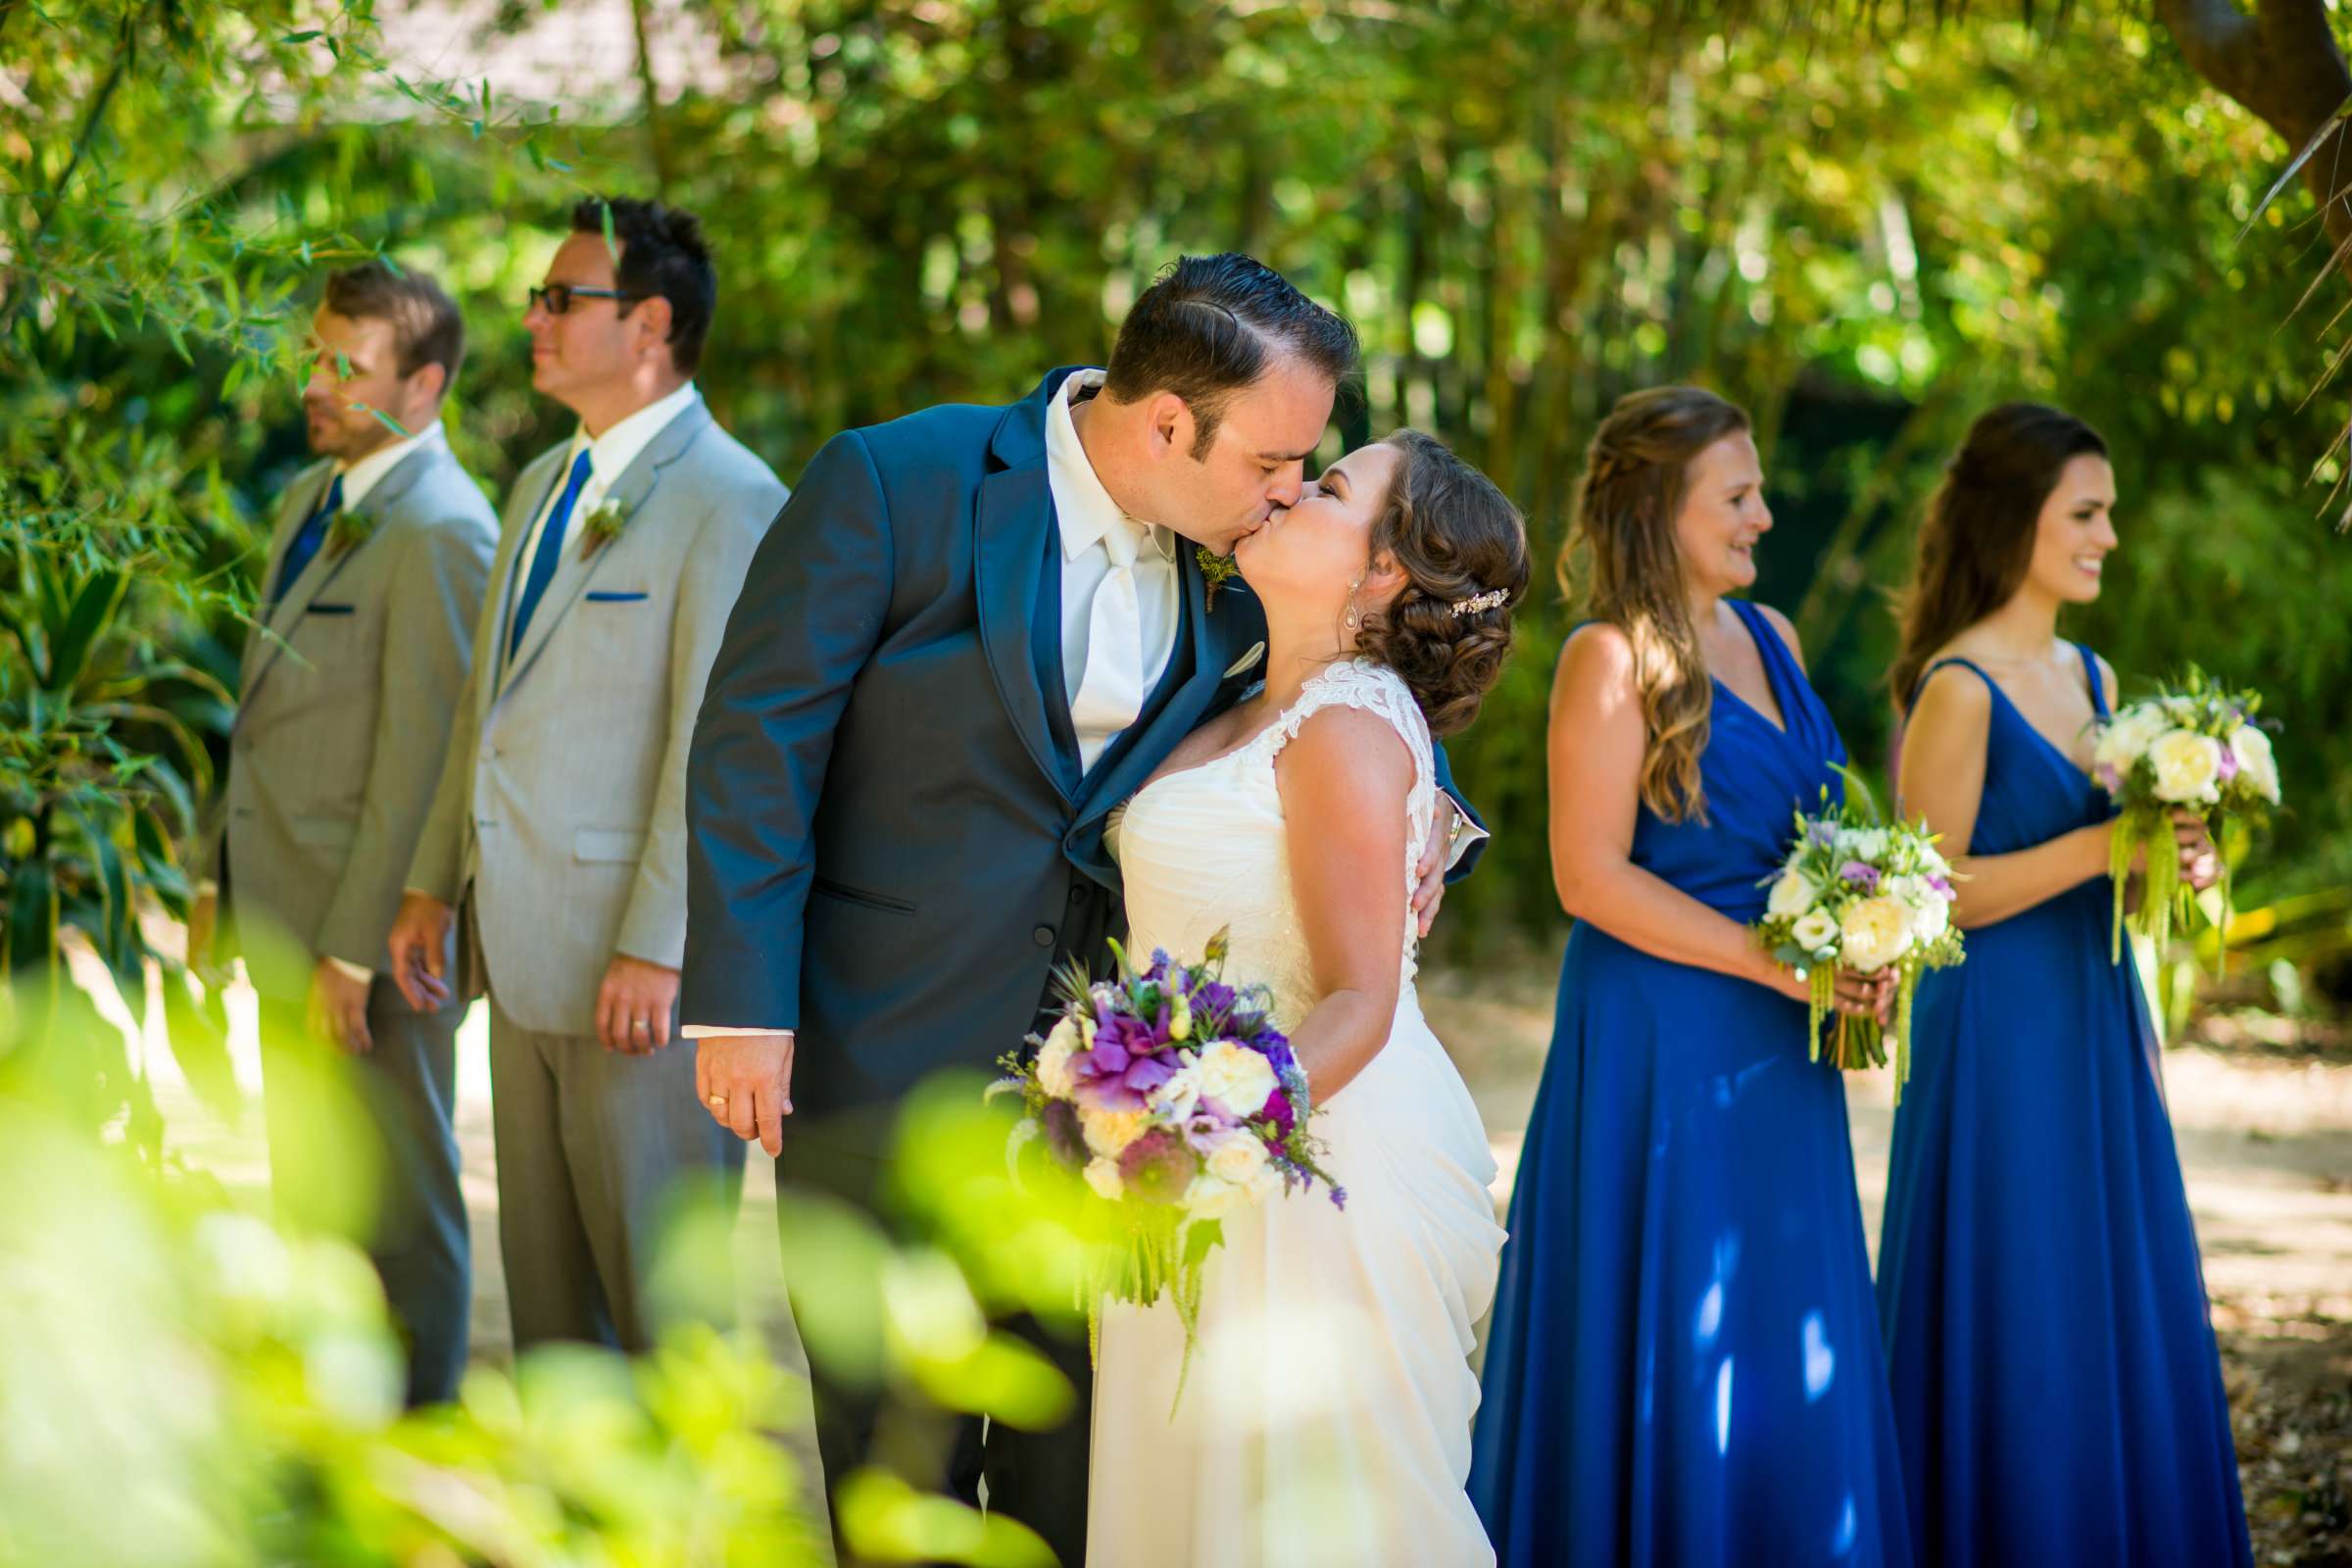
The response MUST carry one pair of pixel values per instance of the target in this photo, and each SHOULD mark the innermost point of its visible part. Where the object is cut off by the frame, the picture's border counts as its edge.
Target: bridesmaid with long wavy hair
(2052, 1365)
(1682, 1366)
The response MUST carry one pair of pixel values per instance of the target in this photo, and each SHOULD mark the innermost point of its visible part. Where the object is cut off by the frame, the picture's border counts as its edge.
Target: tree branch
(656, 132)
(126, 50)
(2284, 65)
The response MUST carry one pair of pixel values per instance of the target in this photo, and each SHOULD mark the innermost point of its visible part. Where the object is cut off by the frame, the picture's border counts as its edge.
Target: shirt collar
(1082, 507)
(618, 447)
(365, 475)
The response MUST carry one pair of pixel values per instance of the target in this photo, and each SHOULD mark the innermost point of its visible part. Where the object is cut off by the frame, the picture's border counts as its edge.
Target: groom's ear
(1171, 425)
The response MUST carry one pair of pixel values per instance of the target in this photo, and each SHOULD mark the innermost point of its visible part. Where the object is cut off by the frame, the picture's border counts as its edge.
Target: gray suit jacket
(563, 801)
(342, 715)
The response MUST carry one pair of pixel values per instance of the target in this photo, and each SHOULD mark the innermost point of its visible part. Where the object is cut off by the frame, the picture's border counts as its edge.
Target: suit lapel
(301, 498)
(576, 569)
(1011, 528)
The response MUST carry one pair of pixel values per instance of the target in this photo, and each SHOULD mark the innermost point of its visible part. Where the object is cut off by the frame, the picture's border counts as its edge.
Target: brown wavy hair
(1977, 539)
(1636, 477)
(1457, 536)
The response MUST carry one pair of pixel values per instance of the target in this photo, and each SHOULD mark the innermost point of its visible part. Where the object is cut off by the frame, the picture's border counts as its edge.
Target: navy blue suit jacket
(890, 841)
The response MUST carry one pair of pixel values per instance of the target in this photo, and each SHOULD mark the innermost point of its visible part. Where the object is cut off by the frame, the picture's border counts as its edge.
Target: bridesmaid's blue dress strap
(1770, 644)
(2098, 685)
(1970, 665)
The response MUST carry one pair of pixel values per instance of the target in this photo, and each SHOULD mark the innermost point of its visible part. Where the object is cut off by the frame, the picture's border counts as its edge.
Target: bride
(1326, 1414)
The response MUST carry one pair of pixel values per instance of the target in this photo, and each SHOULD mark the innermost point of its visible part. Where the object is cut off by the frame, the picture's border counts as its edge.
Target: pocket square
(328, 610)
(1248, 661)
(613, 599)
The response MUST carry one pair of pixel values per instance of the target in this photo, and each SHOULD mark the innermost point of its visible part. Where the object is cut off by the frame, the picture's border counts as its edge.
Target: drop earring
(1352, 620)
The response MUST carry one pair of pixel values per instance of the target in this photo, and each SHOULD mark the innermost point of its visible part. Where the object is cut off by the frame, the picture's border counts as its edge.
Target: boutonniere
(603, 526)
(1215, 573)
(347, 530)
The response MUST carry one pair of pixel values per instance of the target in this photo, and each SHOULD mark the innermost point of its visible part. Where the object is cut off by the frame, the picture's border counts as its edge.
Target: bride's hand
(1435, 861)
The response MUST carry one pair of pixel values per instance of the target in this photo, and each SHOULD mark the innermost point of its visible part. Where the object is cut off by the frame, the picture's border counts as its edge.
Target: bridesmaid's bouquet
(2197, 746)
(1856, 895)
(1179, 1102)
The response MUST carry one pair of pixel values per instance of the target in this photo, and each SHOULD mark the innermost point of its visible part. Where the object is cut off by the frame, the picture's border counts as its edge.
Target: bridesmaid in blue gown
(2052, 1365)
(1682, 1366)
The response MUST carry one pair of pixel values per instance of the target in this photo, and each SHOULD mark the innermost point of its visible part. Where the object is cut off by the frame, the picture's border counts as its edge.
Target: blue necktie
(307, 541)
(549, 552)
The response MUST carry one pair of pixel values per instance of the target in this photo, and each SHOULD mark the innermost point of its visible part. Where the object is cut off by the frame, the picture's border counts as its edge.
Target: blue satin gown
(1682, 1366)
(2052, 1363)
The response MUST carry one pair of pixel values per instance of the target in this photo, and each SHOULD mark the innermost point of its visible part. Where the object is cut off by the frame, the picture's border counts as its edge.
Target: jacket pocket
(614, 597)
(859, 896)
(329, 609)
(605, 844)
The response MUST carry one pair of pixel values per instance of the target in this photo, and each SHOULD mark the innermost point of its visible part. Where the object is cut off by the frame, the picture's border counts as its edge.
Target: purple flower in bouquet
(2111, 778)
(1941, 885)
(1126, 1063)
(1063, 1134)
(1281, 1112)
(1159, 1166)
(1212, 1003)
(2229, 767)
(1208, 1124)
(1859, 874)
(1823, 833)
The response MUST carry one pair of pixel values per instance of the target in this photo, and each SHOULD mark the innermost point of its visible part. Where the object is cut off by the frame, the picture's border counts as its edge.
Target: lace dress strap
(1376, 689)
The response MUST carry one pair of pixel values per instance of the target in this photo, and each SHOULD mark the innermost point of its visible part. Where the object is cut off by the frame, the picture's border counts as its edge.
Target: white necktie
(1110, 694)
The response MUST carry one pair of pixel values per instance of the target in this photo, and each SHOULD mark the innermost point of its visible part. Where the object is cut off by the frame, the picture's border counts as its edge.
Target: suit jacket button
(1043, 936)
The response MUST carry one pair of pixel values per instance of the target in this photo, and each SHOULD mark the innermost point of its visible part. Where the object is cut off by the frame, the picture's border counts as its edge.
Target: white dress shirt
(608, 458)
(1121, 591)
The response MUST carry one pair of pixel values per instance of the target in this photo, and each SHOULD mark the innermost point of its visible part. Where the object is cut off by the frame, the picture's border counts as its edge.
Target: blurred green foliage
(1865, 233)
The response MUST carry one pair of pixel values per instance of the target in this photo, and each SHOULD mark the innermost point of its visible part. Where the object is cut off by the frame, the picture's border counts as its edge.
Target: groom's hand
(1434, 861)
(746, 1085)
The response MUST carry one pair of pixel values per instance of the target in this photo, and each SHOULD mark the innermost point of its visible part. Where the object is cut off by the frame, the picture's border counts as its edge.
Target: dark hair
(426, 329)
(1457, 536)
(1977, 540)
(661, 254)
(1210, 326)
(1622, 543)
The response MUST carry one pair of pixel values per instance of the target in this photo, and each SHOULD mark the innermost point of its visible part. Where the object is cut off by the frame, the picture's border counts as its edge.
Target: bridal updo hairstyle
(1457, 536)
(1976, 543)
(1623, 547)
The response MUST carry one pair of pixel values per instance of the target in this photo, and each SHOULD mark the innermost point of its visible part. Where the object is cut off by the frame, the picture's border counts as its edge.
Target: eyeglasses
(555, 298)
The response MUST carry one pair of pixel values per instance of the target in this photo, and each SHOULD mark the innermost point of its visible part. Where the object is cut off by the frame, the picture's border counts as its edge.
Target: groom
(960, 648)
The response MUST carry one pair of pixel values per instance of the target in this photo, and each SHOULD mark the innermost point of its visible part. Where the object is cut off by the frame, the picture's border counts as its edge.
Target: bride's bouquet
(2199, 747)
(1177, 1100)
(1856, 895)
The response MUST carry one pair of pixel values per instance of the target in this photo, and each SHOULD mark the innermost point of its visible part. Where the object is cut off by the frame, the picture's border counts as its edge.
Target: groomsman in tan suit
(558, 827)
(373, 582)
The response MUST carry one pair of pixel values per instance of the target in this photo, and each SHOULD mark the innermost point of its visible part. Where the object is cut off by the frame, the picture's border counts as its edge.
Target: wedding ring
(639, 1026)
(719, 1102)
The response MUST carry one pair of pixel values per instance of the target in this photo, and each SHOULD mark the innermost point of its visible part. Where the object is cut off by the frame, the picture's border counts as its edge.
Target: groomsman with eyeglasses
(374, 577)
(557, 839)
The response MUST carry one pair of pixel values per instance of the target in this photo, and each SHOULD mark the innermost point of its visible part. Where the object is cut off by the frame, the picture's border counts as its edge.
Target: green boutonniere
(603, 526)
(1215, 573)
(346, 531)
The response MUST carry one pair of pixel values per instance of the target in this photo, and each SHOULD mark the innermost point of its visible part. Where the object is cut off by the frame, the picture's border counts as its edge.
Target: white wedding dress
(1326, 1415)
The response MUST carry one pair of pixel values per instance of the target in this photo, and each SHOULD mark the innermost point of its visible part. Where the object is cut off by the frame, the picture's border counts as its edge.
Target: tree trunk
(2282, 63)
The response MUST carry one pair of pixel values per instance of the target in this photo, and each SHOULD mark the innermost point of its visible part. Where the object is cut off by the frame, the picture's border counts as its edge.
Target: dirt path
(2265, 1136)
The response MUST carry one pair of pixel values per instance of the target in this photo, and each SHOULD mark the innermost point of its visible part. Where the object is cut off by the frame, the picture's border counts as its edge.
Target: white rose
(1792, 894)
(1929, 915)
(1236, 1077)
(1212, 1197)
(1103, 1175)
(2255, 762)
(1814, 930)
(2127, 740)
(1238, 1157)
(2188, 767)
(1179, 1095)
(1109, 1132)
(1053, 1073)
(1874, 933)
